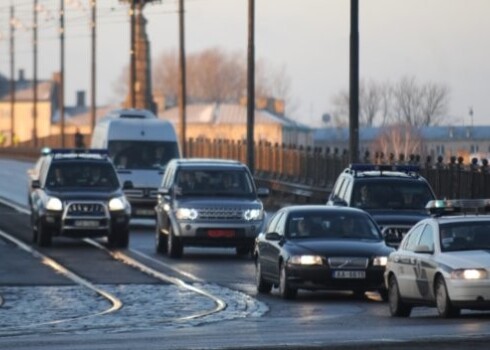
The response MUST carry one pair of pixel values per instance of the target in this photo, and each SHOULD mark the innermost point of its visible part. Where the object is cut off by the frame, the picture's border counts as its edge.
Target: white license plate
(86, 223)
(349, 274)
(145, 212)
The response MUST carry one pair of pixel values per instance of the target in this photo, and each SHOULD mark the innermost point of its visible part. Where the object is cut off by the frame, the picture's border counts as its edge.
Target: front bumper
(473, 294)
(217, 233)
(322, 278)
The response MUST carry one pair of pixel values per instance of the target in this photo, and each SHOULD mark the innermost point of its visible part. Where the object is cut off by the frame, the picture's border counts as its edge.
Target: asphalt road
(153, 312)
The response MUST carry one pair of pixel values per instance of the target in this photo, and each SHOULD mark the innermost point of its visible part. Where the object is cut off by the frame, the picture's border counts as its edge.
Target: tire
(263, 286)
(44, 238)
(34, 229)
(285, 290)
(174, 245)
(359, 293)
(398, 308)
(161, 242)
(243, 250)
(443, 303)
(123, 239)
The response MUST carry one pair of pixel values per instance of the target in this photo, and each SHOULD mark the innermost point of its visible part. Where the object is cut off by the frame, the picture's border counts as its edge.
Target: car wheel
(443, 303)
(359, 293)
(285, 290)
(174, 245)
(398, 308)
(43, 235)
(34, 229)
(123, 239)
(160, 241)
(262, 286)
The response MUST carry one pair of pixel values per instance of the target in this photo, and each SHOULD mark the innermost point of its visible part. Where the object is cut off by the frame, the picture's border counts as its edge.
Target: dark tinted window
(465, 235)
(142, 154)
(82, 174)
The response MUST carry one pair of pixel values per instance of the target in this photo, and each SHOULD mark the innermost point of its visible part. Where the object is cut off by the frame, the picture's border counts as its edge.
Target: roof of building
(25, 92)
(366, 134)
(226, 113)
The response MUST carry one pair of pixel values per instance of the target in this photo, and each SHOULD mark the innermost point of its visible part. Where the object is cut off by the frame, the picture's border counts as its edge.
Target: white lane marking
(118, 255)
(116, 303)
(168, 266)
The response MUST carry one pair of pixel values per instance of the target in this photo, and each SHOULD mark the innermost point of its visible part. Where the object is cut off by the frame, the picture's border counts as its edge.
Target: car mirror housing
(263, 192)
(35, 184)
(273, 236)
(423, 249)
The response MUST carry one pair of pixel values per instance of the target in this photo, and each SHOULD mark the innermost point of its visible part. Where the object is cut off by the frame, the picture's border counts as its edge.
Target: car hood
(399, 217)
(344, 247)
(85, 195)
(466, 259)
(141, 178)
(218, 202)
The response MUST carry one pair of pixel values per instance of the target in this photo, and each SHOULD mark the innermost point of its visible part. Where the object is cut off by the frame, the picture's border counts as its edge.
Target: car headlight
(118, 203)
(54, 204)
(306, 260)
(253, 214)
(469, 274)
(186, 214)
(380, 261)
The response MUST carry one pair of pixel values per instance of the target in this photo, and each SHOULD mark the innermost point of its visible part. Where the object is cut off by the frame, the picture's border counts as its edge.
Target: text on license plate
(86, 223)
(349, 274)
(145, 212)
(221, 233)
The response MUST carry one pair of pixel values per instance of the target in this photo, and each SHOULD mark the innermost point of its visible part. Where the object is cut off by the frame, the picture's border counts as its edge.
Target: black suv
(76, 193)
(208, 202)
(395, 196)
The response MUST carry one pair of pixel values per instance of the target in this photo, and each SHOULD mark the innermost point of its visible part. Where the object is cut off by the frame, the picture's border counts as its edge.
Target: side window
(413, 238)
(345, 189)
(337, 186)
(427, 237)
(281, 224)
(273, 222)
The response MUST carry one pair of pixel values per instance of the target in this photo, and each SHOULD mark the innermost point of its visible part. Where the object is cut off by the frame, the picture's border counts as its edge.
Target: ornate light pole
(140, 91)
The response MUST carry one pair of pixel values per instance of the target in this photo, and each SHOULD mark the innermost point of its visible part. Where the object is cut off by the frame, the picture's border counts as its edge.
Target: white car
(443, 261)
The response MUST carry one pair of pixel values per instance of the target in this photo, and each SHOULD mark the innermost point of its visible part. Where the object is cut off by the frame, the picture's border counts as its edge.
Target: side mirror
(127, 185)
(273, 236)
(262, 192)
(339, 202)
(35, 184)
(162, 191)
(423, 249)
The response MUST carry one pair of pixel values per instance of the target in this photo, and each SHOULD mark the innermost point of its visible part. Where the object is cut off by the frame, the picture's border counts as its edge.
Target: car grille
(348, 263)
(141, 193)
(394, 233)
(221, 214)
(83, 209)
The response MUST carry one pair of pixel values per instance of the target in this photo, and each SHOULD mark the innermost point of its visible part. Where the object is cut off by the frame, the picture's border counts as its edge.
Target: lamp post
(354, 84)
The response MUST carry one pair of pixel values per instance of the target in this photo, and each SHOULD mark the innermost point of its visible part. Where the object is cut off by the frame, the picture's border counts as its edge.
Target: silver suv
(208, 202)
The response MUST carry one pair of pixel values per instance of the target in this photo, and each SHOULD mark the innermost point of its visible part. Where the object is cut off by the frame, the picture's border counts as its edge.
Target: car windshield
(387, 194)
(465, 235)
(204, 182)
(331, 225)
(82, 175)
(142, 154)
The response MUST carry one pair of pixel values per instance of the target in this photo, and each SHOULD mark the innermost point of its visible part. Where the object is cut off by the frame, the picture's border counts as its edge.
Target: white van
(140, 146)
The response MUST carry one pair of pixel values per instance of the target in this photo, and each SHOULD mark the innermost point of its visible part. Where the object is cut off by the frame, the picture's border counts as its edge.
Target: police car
(77, 193)
(443, 261)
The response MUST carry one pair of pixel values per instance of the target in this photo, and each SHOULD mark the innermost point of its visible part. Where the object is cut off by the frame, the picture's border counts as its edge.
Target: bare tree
(400, 138)
(386, 103)
(215, 75)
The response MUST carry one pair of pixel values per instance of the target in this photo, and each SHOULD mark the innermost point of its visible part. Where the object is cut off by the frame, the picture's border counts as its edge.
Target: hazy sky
(441, 41)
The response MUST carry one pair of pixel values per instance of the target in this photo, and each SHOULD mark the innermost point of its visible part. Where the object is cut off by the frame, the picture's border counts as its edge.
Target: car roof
(321, 207)
(461, 218)
(207, 162)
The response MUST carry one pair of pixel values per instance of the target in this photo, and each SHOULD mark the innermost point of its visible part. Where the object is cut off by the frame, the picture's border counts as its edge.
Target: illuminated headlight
(54, 204)
(306, 260)
(253, 214)
(380, 261)
(469, 274)
(186, 214)
(118, 203)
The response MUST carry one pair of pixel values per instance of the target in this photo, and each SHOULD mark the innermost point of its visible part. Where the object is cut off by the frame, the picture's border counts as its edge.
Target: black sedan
(317, 247)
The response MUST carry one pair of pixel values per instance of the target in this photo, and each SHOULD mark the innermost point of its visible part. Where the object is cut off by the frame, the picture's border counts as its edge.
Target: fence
(308, 174)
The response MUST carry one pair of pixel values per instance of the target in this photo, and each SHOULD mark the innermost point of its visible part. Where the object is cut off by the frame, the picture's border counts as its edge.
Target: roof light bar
(385, 167)
(458, 206)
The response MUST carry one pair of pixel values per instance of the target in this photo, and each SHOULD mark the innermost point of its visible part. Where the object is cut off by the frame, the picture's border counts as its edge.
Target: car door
(404, 261)
(266, 247)
(425, 267)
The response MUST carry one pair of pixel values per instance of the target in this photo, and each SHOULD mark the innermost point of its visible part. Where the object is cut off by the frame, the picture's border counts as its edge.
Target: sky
(439, 41)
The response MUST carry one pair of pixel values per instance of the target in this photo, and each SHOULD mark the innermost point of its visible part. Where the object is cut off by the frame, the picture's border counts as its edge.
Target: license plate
(145, 212)
(221, 233)
(86, 223)
(349, 274)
